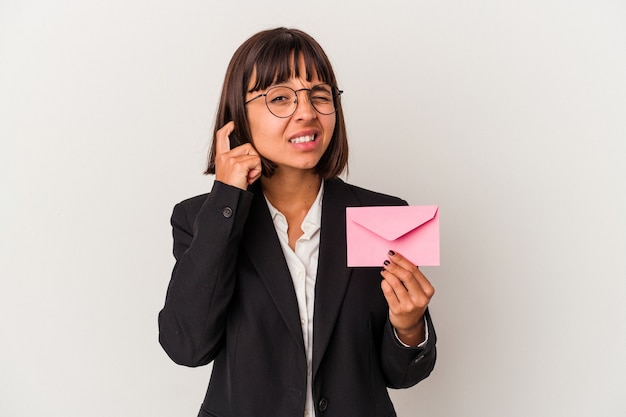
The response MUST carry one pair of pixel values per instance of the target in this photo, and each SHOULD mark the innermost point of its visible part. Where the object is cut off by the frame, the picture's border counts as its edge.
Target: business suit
(231, 300)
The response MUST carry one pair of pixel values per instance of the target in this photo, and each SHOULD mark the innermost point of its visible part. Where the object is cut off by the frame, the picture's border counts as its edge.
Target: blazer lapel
(333, 275)
(263, 248)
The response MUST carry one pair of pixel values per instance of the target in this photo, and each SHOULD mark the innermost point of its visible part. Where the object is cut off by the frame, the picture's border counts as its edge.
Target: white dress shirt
(302, 264)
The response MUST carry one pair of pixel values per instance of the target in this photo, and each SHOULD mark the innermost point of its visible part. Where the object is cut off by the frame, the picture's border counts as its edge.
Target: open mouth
(303, 139)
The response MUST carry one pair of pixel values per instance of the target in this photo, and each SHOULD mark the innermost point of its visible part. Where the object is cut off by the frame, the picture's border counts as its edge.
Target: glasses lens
(322, 99)
(282, 101)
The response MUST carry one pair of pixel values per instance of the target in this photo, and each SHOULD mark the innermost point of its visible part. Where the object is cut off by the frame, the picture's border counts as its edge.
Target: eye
(280, 96)
(321, 98)
(321, 94)
(278, 99)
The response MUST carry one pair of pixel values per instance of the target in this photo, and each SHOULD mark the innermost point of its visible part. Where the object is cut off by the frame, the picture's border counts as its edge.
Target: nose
(304, 106)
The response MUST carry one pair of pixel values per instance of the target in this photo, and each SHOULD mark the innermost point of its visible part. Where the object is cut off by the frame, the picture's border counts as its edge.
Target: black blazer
(231, 300)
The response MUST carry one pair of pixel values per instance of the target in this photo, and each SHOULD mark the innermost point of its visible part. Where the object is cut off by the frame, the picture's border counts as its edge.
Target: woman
(260, 286)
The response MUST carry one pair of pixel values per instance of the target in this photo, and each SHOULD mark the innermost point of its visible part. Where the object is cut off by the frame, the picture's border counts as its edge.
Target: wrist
(412, 336)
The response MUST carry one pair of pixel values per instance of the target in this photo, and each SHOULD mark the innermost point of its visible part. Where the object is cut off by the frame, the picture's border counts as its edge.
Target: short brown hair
(271, 56)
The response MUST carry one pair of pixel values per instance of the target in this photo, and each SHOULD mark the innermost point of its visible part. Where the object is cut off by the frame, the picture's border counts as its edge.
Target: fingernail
(391, 253)
(386, 262)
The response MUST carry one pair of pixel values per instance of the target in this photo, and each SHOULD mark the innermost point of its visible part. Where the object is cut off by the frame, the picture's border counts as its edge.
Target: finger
(238, 168)
(404, 311)
(399, 259)
(417, 275)
(405, 276)
(247, 149)
(255, 171)
(222, 141)
(400, 290)
(390, 295)
(409, 294)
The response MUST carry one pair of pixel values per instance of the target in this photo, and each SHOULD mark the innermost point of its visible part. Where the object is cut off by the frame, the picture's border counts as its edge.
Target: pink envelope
(412, 231)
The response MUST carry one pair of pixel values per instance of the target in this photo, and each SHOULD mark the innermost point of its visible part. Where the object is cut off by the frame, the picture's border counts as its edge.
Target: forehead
(269, 72)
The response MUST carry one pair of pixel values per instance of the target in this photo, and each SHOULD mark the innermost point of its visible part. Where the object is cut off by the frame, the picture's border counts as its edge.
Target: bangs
(280, 59)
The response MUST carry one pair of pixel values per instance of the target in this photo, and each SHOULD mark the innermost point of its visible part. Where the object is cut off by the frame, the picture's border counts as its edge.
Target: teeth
(303, 139)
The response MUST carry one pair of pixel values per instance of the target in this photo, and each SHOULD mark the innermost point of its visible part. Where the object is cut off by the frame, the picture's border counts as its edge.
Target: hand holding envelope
(411, 230)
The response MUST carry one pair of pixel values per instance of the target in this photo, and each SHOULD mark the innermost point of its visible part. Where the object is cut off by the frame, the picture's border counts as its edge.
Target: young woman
(260, 286)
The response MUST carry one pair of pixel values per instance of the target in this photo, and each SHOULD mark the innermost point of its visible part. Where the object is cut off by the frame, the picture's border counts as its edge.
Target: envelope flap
(391, 222)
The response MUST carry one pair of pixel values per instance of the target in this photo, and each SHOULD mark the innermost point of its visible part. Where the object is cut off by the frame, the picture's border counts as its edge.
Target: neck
(289, 193)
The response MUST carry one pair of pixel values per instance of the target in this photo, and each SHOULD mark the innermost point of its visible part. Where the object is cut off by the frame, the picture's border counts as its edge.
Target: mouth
(303, 139)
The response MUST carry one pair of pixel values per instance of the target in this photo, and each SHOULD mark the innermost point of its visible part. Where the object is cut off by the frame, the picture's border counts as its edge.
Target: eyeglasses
(282, 101)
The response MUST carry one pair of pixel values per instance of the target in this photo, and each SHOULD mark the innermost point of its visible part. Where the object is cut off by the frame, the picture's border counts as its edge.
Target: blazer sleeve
(206, 243)
(405, 367)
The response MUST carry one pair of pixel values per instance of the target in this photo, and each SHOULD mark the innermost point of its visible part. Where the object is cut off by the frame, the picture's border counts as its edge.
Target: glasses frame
(334, 90)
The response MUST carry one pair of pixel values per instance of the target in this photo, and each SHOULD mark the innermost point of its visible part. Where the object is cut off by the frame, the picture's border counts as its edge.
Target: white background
(510, 115)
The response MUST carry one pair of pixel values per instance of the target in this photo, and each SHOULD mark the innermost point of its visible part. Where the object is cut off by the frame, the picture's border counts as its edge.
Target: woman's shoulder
(368, 197)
